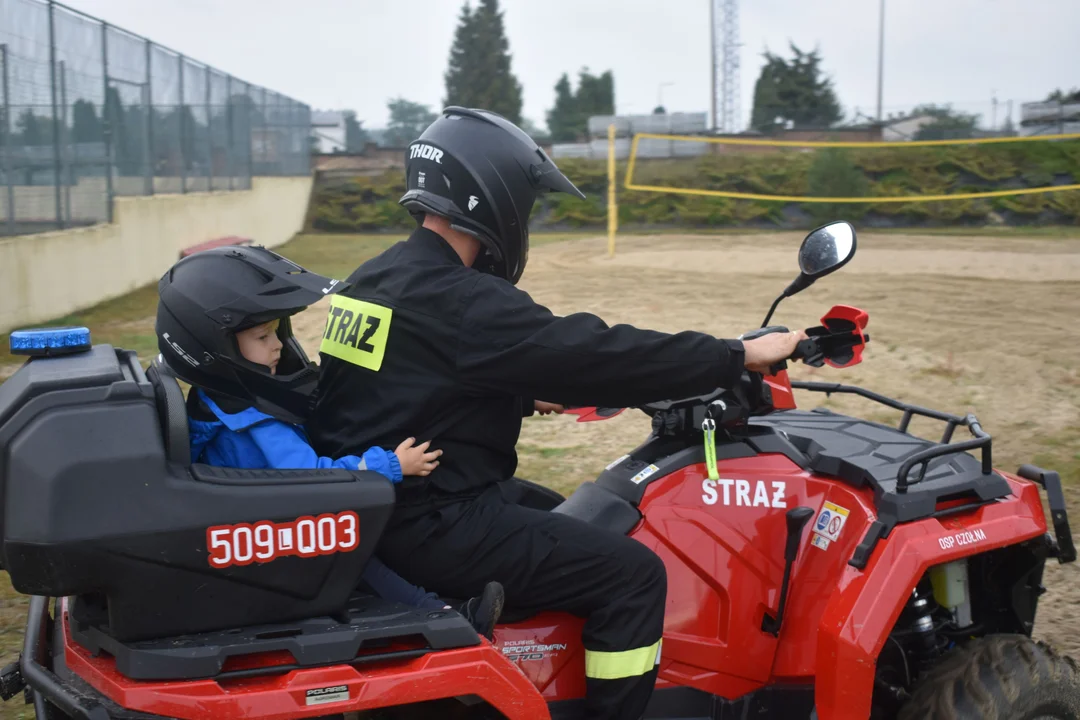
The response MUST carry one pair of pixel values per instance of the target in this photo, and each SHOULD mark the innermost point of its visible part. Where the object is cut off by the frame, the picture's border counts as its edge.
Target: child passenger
(223, 327)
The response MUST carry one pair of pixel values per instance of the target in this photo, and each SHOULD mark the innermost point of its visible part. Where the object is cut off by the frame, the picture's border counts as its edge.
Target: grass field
(960, 322)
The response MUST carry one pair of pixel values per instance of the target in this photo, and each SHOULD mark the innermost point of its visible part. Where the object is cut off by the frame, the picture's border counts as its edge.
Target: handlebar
(838, 341)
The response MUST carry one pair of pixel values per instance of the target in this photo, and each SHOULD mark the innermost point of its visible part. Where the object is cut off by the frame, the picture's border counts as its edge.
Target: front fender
(864, 608)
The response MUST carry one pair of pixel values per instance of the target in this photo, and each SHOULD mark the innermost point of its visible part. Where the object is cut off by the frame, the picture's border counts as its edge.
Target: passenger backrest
(172, 412)
(91, 506)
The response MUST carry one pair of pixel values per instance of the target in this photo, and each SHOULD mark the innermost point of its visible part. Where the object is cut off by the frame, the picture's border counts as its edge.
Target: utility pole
(880, 58)
(729, 65)
(660, 94)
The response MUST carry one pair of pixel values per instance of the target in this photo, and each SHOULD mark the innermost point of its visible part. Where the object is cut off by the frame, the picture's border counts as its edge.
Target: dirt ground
(982, 324)
(960, 324)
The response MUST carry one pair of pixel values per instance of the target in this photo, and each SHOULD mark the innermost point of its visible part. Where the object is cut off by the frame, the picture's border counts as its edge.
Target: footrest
(371, 630)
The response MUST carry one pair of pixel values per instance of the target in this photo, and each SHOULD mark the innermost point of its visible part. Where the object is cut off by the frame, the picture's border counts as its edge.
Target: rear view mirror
(827, 249)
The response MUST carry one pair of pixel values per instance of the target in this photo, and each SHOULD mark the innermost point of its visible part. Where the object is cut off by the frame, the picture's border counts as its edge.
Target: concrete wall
(89, 197)
(53, 274)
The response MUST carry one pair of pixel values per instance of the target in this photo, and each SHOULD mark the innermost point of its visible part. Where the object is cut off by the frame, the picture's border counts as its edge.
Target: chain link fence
(89, 111)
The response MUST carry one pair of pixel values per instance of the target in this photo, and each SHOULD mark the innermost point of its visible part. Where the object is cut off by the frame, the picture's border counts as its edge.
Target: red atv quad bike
(819, 565)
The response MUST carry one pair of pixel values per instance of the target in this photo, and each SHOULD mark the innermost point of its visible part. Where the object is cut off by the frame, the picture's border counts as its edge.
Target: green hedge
(370, 203)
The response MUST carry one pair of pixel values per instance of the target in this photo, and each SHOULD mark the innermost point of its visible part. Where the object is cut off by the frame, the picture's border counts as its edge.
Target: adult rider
(433, 340)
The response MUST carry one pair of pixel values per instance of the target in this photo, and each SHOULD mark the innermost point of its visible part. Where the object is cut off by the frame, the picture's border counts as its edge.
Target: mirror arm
(773, 308)
(797, 285)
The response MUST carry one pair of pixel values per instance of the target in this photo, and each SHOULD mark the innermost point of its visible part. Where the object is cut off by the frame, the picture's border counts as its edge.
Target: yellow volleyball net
(991, 171)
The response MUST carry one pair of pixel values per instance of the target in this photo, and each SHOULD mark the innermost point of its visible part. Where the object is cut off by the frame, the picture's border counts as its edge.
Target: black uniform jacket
(422, 346)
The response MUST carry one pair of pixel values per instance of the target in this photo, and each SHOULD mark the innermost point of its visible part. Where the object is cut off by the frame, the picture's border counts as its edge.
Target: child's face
(260, 345)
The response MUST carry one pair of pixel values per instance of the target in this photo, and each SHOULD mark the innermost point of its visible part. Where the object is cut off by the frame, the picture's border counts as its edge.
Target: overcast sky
(339, 54)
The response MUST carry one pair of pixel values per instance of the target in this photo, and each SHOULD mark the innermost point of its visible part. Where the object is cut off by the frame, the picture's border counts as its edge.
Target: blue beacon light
(49, 342)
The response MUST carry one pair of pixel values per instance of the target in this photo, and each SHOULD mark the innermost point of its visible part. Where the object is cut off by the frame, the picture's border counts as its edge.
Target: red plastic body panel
(723, 545)
(479, 670)
(725, 566)
(547, 649)
(780, 386)
(864, 606)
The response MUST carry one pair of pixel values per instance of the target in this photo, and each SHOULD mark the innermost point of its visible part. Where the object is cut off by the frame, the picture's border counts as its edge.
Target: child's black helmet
(205, 299)
(483, 173)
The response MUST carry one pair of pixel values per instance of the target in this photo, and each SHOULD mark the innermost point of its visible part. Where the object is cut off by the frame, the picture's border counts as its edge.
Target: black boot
(483, 611)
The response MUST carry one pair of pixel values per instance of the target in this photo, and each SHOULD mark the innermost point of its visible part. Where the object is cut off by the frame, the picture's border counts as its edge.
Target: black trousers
(547, 561)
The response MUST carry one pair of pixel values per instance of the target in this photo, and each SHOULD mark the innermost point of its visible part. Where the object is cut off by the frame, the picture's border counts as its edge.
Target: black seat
(600, 507)
(172, 412)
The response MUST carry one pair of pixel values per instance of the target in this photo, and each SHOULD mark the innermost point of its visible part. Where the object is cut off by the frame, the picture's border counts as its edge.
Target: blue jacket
(254, 440)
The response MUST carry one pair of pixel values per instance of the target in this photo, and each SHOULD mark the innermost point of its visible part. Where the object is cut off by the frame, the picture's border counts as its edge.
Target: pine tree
(561, 119)
(462, 61)
(569, 119)
(794, 91)
(479, 73)
(595, 95)
(356, 137)
(85, 125)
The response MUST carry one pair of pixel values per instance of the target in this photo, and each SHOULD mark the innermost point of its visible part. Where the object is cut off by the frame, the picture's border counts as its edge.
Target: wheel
(998, 677)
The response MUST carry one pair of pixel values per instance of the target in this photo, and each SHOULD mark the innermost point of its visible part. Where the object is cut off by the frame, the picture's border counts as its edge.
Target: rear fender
(864, 608)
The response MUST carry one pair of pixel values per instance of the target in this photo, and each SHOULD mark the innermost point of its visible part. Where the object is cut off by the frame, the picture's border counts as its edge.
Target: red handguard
(593, 414)
(845, 314)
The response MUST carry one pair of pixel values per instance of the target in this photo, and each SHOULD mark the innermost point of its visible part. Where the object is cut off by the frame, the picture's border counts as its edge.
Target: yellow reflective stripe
(356, 332)
(618, 665)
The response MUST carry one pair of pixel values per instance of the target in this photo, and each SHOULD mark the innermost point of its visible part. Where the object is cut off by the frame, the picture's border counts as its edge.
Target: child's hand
(415, 459)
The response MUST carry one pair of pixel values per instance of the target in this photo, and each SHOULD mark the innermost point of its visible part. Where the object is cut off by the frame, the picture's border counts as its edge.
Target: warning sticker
(321, 696)
(830, 521)
(819, 542)
(646, 473)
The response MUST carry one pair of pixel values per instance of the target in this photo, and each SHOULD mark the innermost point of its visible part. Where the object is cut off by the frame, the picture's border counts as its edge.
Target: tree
(85, 125)
(561, 119)
(407, 120)
(460, 75)
(1064, 97)
(793, 93)
(478, 74)
(948, 124)
(33, 129)
(595, 95)
(356, 137)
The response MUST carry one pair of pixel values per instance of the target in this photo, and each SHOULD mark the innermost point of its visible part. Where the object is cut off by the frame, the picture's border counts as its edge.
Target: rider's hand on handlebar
(416, 459)
(765, 351)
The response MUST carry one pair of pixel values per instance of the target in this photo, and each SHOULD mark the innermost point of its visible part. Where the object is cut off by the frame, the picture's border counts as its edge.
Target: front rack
(981, 440)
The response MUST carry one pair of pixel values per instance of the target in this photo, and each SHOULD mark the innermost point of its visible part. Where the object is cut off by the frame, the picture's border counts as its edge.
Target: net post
(613, 206)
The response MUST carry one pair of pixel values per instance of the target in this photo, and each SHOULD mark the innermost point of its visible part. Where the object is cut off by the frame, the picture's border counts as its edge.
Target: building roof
(330, 118)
